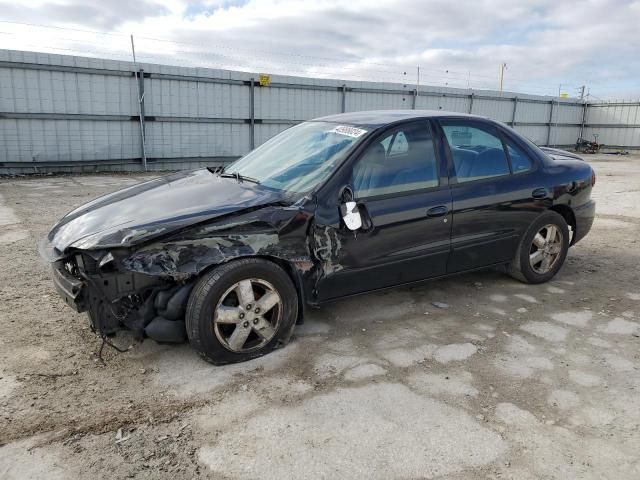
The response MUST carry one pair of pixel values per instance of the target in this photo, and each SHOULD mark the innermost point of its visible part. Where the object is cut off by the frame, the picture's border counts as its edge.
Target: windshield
(299, 158)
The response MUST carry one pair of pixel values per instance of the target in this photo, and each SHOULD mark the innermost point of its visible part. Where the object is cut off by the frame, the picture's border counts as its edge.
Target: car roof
(379, 118)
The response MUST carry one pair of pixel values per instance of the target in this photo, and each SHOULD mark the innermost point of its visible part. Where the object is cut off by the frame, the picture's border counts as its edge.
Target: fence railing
(63, 113)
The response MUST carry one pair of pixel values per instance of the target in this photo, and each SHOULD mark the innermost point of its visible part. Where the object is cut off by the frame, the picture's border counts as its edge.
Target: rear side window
(520, 161)
(477, 153)
(403, 160)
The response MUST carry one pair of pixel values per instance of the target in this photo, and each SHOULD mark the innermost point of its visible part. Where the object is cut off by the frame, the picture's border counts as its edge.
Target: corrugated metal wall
(616, 124)
(62, 113)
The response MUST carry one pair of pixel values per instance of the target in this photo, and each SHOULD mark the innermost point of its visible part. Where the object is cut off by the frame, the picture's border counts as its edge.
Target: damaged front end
(130, 258)
(114, 298)
(145, 287)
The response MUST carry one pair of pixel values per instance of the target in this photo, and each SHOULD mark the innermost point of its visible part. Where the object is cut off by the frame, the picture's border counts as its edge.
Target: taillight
(593, 178)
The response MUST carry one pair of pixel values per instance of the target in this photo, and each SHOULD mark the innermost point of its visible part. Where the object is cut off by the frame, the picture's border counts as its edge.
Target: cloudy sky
(544, 43)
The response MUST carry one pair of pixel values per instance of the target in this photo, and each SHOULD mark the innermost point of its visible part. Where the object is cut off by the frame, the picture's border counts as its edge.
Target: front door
(403, 192)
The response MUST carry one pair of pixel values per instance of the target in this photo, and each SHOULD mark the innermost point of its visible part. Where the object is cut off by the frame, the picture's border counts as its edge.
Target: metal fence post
(550, 125)
(515, 110)
(585, 106)
(252, 113)
(415, 97)
(142, 113)
(471, 103)
(344, 98)
(143, 137)
(140, 88)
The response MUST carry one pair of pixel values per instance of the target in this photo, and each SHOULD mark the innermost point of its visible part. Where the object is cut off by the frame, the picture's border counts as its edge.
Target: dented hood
(154, 208)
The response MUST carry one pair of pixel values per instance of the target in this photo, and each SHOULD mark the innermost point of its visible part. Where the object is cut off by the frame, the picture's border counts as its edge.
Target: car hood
(154, 208)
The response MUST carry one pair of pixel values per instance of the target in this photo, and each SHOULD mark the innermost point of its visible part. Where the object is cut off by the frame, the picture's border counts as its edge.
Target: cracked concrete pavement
(507, 381)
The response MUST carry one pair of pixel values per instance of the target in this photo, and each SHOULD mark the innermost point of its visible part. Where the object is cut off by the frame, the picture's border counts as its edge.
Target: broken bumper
(71, 289)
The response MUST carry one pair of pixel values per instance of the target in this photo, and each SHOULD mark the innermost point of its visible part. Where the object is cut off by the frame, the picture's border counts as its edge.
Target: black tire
(208, 292)
(520, 267)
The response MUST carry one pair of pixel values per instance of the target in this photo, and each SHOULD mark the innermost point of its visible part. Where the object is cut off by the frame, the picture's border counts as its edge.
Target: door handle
(539, 193)
(438, 211)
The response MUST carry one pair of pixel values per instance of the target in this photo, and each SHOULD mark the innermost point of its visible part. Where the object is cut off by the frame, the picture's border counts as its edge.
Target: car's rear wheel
(241, 310)
(542, 250)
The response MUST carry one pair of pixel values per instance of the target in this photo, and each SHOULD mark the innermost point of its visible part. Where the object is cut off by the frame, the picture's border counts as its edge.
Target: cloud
(105, 14)
(543, 42)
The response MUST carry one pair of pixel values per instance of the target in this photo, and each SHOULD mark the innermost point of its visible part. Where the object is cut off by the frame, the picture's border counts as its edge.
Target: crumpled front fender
(272, 232)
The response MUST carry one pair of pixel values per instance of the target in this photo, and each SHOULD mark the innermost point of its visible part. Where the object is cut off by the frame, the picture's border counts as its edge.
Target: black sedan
(231, 257)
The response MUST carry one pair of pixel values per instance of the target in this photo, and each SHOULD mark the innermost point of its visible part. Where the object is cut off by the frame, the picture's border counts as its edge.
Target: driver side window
(401, 161)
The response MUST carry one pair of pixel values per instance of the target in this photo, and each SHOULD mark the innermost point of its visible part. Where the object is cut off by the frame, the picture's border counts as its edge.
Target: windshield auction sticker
(349, 131)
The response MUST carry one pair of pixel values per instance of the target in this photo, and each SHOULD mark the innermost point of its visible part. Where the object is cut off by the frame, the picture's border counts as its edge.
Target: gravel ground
(503, 380)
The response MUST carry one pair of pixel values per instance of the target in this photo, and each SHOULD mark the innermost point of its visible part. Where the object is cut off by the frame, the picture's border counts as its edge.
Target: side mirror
(349, 210)
(351, 215)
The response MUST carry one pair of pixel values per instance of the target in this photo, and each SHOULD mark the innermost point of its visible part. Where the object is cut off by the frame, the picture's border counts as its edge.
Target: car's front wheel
(542, 250)
(241, 310)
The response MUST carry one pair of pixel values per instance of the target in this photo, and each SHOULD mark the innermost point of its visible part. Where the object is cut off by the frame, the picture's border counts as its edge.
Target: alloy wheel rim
(247, 315)
(546, 249)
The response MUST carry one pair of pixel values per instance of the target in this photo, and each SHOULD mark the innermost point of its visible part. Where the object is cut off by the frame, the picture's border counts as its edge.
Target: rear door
(494, 186)
(402, 187)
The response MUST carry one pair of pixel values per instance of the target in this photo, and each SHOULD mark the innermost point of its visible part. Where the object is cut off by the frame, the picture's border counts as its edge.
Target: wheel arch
(296, 278)
(569, 216)
(286, 265)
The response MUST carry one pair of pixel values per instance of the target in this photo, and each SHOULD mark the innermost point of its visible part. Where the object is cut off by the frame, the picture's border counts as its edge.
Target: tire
(521, 267)
(216, 309)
